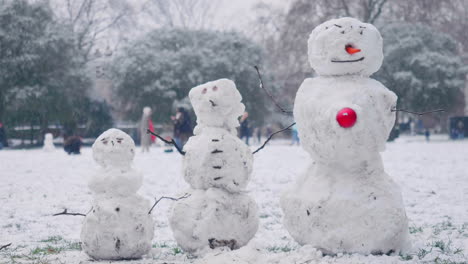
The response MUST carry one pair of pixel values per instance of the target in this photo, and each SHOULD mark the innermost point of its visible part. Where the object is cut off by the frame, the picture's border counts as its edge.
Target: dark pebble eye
(215, 88)
(117, 209)
(204, 91)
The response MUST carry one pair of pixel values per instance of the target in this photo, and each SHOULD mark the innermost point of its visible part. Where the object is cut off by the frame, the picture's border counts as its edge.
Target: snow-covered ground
(35, 184)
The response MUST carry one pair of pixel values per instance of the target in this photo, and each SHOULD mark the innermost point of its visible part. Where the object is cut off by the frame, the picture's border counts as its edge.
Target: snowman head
(114, 148)
(217, 104)
(345, 46)
(48, 137)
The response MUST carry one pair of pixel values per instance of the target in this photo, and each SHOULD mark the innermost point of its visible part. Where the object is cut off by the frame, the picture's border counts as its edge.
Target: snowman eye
(104, 141)
(119, 140)
(204, 91)
(215, 88)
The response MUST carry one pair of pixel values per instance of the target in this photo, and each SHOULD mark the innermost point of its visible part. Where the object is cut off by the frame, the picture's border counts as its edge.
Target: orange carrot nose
(351, 50)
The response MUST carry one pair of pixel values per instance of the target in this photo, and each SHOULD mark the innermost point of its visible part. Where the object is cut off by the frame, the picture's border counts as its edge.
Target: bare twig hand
(269, 94)
(169, 198)
(271, 136)
(172, 142)
(418, 113)
(65, 212)
(5, 246)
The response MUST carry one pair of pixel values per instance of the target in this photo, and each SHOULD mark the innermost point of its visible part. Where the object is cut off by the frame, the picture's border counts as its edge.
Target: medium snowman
(218, 167)
(345, 202)
(119, 225)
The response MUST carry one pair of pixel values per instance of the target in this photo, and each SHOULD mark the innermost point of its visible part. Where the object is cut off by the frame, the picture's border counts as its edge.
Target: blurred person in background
(294, 136)
(72, 145)
(182, 126)
(244, 127)
(3, 139)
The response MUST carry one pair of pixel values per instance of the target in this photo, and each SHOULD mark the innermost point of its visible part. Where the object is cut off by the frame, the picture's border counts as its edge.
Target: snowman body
(48, 143)
(217, 165)
(118, 226)
(344, 201)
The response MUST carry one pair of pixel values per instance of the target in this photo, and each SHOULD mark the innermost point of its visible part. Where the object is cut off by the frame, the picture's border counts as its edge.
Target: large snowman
(344, 201)
(119, 225)
(218, 166)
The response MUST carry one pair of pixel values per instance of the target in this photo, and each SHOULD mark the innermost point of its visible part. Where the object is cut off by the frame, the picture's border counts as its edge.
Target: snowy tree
(164, 65)
(93, 22)
(421, 66)
(40, 75)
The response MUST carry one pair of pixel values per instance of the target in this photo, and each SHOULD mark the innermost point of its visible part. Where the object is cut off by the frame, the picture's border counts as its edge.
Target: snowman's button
(346, 117)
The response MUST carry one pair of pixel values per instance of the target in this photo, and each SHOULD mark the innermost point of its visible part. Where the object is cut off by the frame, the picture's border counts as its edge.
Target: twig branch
(271, 136)
(167, 142)
(270, 95)
(169, 198)
(5, 246)
(418, 113)
(65, 212)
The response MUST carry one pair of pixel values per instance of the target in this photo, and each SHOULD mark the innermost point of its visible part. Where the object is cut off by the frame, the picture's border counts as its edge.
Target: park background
(79, 67)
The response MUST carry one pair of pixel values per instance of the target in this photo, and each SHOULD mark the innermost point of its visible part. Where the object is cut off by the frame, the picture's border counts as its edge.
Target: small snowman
(344, 201)
(48, 142)
(218, 167)
(119, 225)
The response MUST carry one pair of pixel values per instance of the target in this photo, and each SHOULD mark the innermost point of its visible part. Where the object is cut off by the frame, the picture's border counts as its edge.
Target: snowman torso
(318, 102)
(217, 158)
(344, 201)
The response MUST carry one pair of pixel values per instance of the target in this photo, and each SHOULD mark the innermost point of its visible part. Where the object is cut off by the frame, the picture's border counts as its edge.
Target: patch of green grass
(406, 257)
(160, 245)
(176, 251)
(52, 239)
(276, 249)
(422, 252)
(414, 230)
(46, 250)
(73, 246)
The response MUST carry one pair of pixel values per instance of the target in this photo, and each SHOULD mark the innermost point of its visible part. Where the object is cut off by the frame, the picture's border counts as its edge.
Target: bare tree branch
(269, 94)
(65, 212)
(418, 113)
(5, 246)
(187, 195)
(172, 142)
(271, 136)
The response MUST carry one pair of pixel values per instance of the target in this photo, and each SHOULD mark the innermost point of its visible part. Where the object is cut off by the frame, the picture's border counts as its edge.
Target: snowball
(216, 158)
(48, 142)
(217, 104)
(114, 148)
(214, 218)
(327, 48)
(118, 228)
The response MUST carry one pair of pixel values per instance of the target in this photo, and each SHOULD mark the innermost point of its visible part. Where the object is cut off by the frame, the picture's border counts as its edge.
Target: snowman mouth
(342, 61)
(213, 103)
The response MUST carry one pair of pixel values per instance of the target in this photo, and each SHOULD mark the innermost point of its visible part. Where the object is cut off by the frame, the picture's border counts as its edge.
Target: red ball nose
(346, 117)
